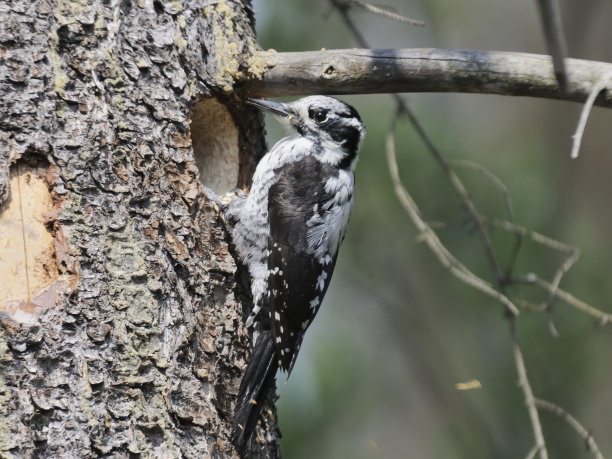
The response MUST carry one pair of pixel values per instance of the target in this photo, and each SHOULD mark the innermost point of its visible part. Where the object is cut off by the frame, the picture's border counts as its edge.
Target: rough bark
(121, 318)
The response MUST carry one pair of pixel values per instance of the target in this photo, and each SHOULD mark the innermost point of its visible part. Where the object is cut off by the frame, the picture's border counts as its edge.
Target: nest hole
(216, 145)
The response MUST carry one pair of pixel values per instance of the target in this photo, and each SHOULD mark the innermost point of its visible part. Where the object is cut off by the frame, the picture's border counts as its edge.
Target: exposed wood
(372, 71)
(143, 355)
(30, 281)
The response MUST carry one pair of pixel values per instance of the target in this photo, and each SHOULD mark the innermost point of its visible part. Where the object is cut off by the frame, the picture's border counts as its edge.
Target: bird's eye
(318, 115)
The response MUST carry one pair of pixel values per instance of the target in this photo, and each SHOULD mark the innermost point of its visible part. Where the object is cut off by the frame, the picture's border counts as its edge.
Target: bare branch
(509, 208)
(550, 14)
(519, 362)
(584, 434)
(379, 11)
(534, 235)
(570, 299)
(466, 164)
(389, 71)
(573, 252)
(599, 86)
(532, 452)
(562, 271)
(372, 71)
(477, 219)
(431, 238)
(350, 24)
(437, 154)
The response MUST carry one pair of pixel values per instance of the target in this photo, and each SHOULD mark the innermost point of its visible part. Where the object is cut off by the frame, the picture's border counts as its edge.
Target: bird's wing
(298, 275)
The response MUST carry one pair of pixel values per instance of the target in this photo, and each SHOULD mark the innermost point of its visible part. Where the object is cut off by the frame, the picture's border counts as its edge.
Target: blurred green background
(377, 372)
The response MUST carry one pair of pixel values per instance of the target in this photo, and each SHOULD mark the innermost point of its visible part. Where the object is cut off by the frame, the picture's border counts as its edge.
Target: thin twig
(532, 452)
(528, 306)
(385, 12)
(430, 237)
(573, 252)
(562, 271)
(342, 8)
(454, 179)
(447, 259)
(466, 164)
(509, 208)
(599, 86)
(584, 433)
(534, 235)
(533, 279)
(519, 362)
(555, 39)
(552, 288)
(476, 218)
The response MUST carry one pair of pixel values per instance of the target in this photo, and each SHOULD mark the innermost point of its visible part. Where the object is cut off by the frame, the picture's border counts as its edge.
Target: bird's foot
(230, 196)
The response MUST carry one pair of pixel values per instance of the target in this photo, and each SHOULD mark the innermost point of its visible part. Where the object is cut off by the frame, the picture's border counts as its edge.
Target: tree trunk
(121, 317)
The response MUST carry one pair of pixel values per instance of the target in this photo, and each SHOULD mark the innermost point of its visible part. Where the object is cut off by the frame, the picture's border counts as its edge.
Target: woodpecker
(287, 232)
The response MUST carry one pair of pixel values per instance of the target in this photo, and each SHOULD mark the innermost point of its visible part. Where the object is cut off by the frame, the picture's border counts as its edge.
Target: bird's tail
(255, 386)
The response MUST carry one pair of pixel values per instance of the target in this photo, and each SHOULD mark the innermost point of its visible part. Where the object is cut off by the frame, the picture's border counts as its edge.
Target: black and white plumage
(287, 232)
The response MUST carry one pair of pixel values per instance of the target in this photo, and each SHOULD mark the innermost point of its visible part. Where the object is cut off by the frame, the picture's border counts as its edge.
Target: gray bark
(121, 327)
(375, 71)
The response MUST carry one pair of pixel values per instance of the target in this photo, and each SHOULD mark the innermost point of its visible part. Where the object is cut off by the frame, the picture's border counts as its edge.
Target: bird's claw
(228, 197)
(216, 202)
(219, 204)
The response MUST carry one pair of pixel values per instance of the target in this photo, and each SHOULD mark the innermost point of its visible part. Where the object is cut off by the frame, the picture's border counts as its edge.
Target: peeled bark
(121, 317)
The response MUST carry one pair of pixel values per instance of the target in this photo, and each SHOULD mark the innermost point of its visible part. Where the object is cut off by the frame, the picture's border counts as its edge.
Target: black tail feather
(255, 386)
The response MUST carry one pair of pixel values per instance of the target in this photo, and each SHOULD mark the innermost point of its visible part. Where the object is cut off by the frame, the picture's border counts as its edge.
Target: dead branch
(597, 87)
(536, 425)
(550, 13)
(377, 10)
(574, 424)
(369, 71)
(492, 178)
(427, 234)
(457, 268)
(570, 299)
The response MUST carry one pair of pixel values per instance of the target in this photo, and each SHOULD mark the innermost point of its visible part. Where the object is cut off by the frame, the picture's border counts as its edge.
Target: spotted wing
(298, 276)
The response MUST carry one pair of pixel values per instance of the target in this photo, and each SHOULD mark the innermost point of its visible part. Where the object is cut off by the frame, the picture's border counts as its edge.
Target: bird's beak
(275, 108)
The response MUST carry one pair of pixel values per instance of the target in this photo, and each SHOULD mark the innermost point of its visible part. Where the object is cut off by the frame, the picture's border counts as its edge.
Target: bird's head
(332, 124)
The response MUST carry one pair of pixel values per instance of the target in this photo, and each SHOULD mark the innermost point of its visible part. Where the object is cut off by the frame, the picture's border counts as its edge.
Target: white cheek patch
(332, 153)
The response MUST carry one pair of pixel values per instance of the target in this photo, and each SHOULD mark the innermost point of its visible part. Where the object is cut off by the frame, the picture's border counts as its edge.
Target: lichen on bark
(144, 355)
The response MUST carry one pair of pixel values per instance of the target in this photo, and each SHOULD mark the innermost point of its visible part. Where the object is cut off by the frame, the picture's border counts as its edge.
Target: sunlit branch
(375, 71)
